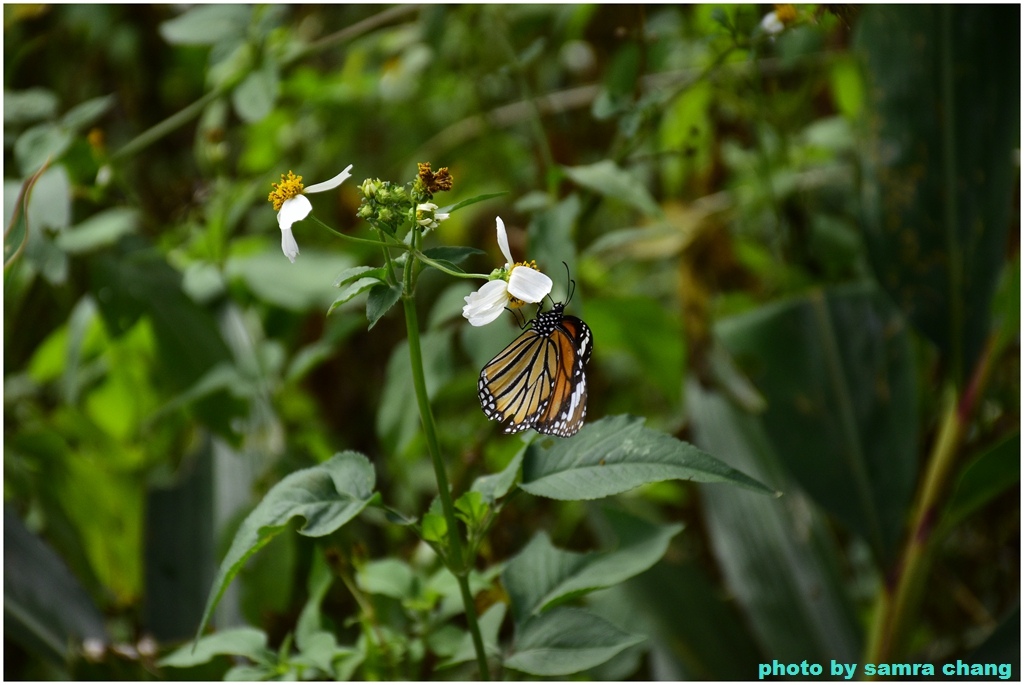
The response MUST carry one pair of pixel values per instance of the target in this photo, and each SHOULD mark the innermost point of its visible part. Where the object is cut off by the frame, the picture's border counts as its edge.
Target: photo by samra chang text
(848, 671)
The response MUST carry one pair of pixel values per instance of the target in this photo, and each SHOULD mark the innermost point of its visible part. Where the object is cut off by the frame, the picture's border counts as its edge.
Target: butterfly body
(538, 381)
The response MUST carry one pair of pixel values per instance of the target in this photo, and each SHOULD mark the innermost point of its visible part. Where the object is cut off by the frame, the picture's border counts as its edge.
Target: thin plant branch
(455, 559)
(21, 209)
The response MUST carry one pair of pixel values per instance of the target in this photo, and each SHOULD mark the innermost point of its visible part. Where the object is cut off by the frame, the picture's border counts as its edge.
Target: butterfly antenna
(571, 286)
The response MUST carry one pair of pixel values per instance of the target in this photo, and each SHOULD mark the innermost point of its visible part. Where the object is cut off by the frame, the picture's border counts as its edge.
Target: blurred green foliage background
(797, 249)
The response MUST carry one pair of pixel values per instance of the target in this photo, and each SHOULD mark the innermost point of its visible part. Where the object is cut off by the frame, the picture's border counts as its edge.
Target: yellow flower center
(289, 187)
(785, 13)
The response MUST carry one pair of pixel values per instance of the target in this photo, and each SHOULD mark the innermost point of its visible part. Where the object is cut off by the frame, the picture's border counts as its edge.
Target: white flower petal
(288, 245)
(441, 217)
(528, 285)
(328, 185)
(426, 207)
(293, 209)
(486, 304)
(503, 243)
(771, 24)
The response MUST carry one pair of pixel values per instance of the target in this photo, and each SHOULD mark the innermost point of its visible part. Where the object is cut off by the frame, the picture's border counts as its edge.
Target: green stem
(21, 210)
(354, 31)
(161, 129)
(354, 239)
(455, 561)
(182, 117)
(898, 600)
(369, 620)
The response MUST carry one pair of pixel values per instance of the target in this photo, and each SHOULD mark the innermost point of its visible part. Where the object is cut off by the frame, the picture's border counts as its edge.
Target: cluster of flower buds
(385, 205)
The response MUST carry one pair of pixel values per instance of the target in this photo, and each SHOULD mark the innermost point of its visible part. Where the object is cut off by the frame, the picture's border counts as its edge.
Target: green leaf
(497, 485)
(836, 371)
(541, 576)
(231, 62)
(298, 287)
(565, 641)
(207, 24)
(49, 204)
(39, 143)
(687, 124)
(248, 642)
(663, 601)
(452, 254)
(444, 264)
(617, 454)
(180, 549)
(388, 577)
(435, 527)
(352, 289)
(46, 610)
(82, 324)
(984, 478)
(17, 223)
(490, 625)
(943, 112)
(129, 285)
(1006, 307)
(310, 623)
(471, 201)
(444, 585)
(472, 508)
(99, 230)
(254, 98)
(614, 606)
(382, 298)
(328, 496)
(247, 673)
(551, 234)
(312, 355)
(654, 241)
(354, 273)
(847, 81)
(606, 178)
(222, 377)
(28, 106)
(86, 113)
(776, 554)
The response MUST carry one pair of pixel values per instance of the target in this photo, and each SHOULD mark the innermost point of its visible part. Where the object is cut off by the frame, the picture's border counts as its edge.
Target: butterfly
(538, 381)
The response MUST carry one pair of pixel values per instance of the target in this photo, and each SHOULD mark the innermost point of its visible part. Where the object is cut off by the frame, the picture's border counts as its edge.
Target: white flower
(774, 22)
(427, 216)
(513, 285)
(771, 24)
(291, 205)
(487, 303)
(93, 648)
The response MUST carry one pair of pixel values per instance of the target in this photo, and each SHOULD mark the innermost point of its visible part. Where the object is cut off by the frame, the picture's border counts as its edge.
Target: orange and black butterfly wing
(567, 409)
(515, 387)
